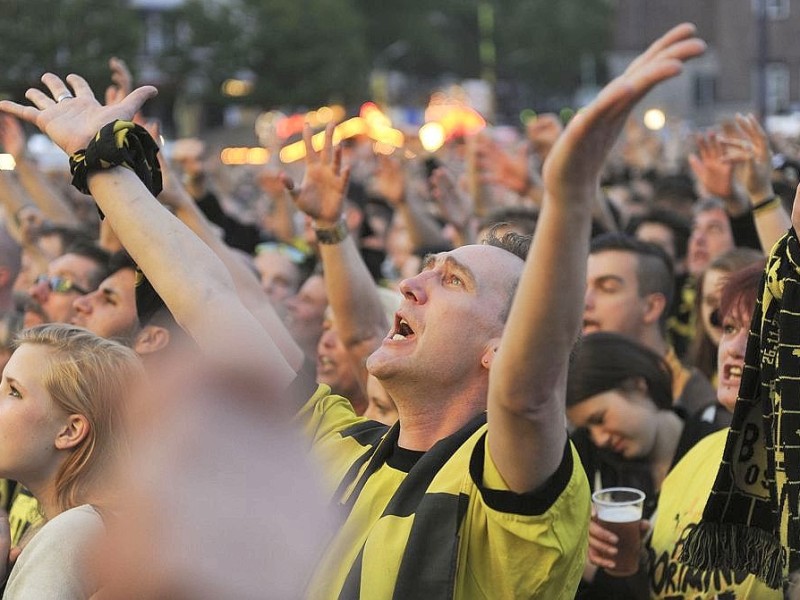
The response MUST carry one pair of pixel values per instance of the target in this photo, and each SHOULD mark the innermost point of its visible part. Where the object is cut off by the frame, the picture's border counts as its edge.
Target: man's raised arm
(189, 277)
(527, 381)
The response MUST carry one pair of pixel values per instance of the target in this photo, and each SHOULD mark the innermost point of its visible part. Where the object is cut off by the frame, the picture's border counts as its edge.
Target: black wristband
(118, 144)
(768, 202)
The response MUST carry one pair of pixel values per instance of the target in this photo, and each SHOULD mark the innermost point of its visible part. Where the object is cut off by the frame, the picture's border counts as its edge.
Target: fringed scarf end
(735, 547)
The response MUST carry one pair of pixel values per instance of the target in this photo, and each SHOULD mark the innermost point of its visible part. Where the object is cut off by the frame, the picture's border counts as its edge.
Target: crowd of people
(385, 377)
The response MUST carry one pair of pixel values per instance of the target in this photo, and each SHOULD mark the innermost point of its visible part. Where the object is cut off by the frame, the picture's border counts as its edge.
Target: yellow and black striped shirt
(444, 524)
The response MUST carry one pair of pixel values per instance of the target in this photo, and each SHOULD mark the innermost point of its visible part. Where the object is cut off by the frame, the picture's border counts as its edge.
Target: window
(705, 90)
(777, 80)
(776, 9)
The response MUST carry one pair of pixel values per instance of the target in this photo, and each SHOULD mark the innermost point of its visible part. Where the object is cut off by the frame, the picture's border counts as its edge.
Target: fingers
(131, 104)
(662, 60)
(39, 99)
(696, 165)
(26, 113)
(337, 160)
(602, 546)
(327, 146)
(676, 34)
(311, 154)
(80, 86)
(58, 89)
(751, 128)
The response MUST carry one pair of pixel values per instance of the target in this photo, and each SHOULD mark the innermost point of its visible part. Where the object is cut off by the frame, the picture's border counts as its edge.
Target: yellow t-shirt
(507, 545)
(24, 514)
(680, 506)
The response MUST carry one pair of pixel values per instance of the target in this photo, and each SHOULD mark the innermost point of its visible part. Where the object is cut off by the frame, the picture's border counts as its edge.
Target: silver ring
(63, 96)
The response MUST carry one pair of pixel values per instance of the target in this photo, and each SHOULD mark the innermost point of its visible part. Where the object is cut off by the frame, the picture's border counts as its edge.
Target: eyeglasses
(60, 285)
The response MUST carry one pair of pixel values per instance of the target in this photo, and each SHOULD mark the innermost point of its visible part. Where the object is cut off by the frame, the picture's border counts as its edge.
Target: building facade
(752, 64)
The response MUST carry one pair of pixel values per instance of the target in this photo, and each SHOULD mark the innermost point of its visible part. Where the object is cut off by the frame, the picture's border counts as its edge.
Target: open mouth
(402, 330)
(732, 372)
(589, 325)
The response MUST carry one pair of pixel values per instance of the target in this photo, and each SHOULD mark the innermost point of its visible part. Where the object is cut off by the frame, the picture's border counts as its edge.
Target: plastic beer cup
(619, 510)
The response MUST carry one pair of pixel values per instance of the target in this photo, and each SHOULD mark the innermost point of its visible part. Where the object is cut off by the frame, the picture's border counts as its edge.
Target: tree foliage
(63, 36)
(542, 42)
(304, 52)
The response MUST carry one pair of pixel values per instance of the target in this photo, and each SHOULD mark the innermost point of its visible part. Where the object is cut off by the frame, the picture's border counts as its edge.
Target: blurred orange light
(244, 156)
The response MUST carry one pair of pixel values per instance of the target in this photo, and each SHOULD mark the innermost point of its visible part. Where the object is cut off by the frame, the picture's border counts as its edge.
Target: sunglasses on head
(295, 255)
(60, 285)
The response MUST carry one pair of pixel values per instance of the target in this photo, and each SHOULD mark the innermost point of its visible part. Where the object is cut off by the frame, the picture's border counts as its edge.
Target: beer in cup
(619, 510)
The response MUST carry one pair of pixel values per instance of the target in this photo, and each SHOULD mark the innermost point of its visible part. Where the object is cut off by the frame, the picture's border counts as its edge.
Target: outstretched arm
(176, 197)
(352, 293)
(35, 183)
(527, 381)
(189, 277)
(391, 183)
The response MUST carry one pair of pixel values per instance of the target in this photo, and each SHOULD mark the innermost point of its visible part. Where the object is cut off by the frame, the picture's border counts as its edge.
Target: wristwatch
(332, 235)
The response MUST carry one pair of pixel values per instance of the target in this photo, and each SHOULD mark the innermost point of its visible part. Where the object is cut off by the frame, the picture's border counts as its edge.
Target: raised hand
(12, 137)
(710, 167)
(30, 220)
(543, 131)
(71, 121)
(121, 81)
(502, 168)
(321, 195)
(456, 207)
(389, 180)
(573, 166)
(752, 154)
(272, 182)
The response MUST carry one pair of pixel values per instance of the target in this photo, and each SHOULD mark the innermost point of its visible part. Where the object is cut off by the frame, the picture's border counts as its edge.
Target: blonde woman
(61, 397)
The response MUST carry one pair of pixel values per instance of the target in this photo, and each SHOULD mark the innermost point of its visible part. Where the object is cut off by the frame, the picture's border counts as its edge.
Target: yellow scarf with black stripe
(752, 519)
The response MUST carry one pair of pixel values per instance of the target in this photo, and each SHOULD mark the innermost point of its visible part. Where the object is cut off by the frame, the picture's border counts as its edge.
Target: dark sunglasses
(60, 285)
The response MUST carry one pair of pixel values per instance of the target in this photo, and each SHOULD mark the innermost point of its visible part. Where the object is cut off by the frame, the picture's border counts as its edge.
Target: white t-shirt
(53, 563)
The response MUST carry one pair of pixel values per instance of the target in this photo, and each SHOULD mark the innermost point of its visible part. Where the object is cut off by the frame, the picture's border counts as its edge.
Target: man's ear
(151, 339)
(73, 433)
(655, 305)
(489, 353)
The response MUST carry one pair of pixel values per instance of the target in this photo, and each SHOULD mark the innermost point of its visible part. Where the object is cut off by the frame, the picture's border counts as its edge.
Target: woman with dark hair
(703, 349)
(685, 490)
(619, 396)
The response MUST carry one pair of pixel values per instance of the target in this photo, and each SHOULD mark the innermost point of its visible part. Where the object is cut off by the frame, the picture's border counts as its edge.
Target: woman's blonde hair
(90, 376)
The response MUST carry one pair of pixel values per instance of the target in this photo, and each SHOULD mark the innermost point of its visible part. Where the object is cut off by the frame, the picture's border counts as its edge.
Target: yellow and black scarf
(118, 144)
(752, 519)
